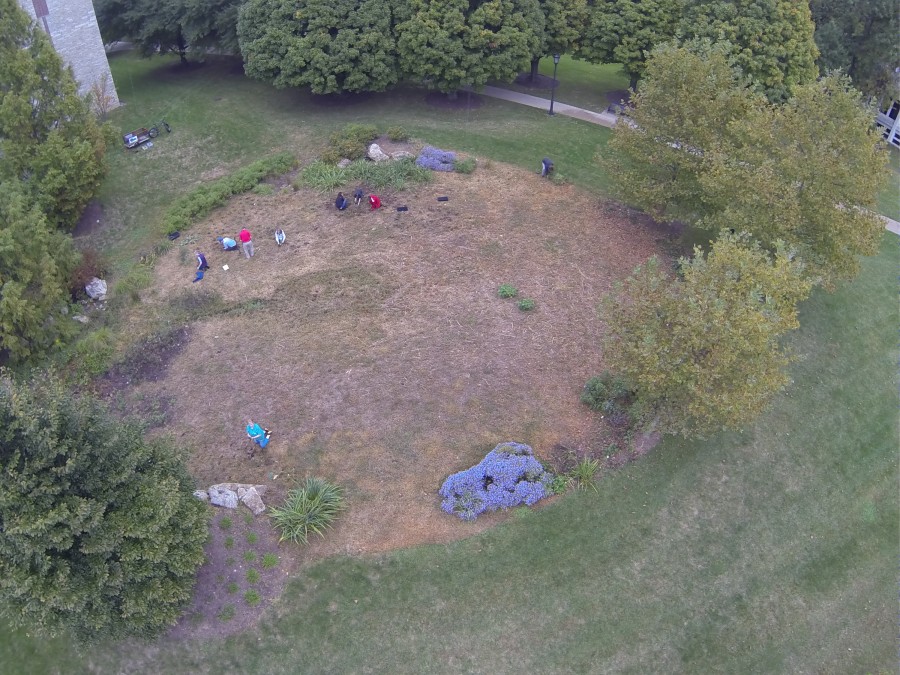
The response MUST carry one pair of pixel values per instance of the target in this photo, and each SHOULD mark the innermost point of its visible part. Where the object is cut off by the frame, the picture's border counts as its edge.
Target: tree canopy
(860, 38)
(330, 46)
(450, 44)
(771, 41)
(707, 150)
(625, 31)
(50, 141)
(703, 353)
(100, 534)
(161, 26)
(559, 30)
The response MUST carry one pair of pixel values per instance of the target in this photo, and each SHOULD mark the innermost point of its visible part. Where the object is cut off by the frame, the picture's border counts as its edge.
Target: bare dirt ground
(376, 348)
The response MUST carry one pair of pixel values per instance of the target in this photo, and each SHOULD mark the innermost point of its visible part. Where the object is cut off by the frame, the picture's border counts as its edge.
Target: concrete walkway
(604, 119)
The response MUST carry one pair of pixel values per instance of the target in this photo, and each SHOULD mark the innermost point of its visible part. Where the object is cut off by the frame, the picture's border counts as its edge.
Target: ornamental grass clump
(436, 159)
(508, 476)
(310, 508)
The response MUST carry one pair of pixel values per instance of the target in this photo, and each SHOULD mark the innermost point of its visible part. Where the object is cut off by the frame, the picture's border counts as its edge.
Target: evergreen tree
(330, 46)
(50, 141)
(626, 31)
(771, 41)
(99, 532)
(704, 352)
(35, 263)
(450, 44)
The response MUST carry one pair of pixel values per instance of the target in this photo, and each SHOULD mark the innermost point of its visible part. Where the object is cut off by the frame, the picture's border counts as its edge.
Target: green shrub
(397, 134)
(585, 472)
(262, 189)
(559, 484)
(249, 556)
(229, 542)
(310, 508)
(466, 165)
(252, 538)
(252, 597)
(322, 176)
(507, 291)
(351, 142)
(252, 576)
(269, 560)
(612, 396)
(232, 587)
(225, 523)
(227, 613)
(94, 352)
(526, 304)
(205, 198)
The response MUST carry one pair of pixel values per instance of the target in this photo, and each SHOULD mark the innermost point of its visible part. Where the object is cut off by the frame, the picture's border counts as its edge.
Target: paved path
(604, 119)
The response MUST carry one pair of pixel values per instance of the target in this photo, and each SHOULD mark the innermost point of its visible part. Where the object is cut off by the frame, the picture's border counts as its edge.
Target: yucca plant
(584, 473)
(309, 508)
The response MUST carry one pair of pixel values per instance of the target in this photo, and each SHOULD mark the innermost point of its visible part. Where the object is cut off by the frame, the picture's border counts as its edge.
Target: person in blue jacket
(257, 434)
(341, 202)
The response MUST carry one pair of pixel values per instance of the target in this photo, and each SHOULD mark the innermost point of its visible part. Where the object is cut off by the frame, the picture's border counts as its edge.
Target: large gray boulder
(251, 499)
(376, 154)
(219, 496)
(96, 289)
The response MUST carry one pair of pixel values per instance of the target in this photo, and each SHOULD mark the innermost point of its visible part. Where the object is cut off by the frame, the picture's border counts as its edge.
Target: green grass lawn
(579, 83)
(768, 551)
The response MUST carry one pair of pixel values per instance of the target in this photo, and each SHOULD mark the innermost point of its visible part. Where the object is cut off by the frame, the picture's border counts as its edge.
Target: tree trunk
(535, 63)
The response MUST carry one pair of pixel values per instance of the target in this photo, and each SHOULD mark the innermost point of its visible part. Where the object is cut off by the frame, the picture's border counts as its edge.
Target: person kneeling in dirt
(258, 434)
(279, 236)
(358, 195)
(228, 243)
(341, 202)
(375, 202)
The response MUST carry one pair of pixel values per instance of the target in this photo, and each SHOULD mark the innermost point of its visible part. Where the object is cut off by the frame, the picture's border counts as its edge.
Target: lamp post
(553, 90)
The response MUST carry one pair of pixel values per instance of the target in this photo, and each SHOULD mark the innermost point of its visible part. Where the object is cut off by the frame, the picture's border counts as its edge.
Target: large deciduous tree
(626, 31)
(161, 26)
(860, 38)
(559, 30)
(704, 352)
(330, 46)
(99, 532)
(707, 150)
(50, 141)
(771, 41)
(449, 44)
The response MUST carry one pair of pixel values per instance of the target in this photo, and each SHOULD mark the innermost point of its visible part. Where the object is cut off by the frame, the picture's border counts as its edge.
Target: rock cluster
(228, 495)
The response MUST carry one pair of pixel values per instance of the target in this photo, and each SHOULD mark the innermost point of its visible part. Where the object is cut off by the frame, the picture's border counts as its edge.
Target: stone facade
(72, 27)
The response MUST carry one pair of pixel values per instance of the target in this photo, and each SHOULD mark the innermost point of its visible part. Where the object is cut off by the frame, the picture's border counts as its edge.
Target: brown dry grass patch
(379, 352)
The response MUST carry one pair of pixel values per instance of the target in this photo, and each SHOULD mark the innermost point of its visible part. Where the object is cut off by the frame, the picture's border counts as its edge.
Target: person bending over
(228, 243)
(374, 202)
(279, 236)
(340, 202)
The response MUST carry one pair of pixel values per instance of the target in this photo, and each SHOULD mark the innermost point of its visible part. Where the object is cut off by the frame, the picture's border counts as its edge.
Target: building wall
(72, 27)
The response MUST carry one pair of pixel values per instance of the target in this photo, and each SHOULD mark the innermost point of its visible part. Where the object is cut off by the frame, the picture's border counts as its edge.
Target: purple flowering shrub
(509, 475)
(435, 159)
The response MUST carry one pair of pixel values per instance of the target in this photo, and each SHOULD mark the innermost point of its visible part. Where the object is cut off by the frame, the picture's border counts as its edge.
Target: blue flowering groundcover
(436, 159)
(509, 475)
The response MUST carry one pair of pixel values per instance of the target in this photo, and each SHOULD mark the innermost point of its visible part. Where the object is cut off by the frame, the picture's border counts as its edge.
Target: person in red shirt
(375, 202)
(246, 242)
